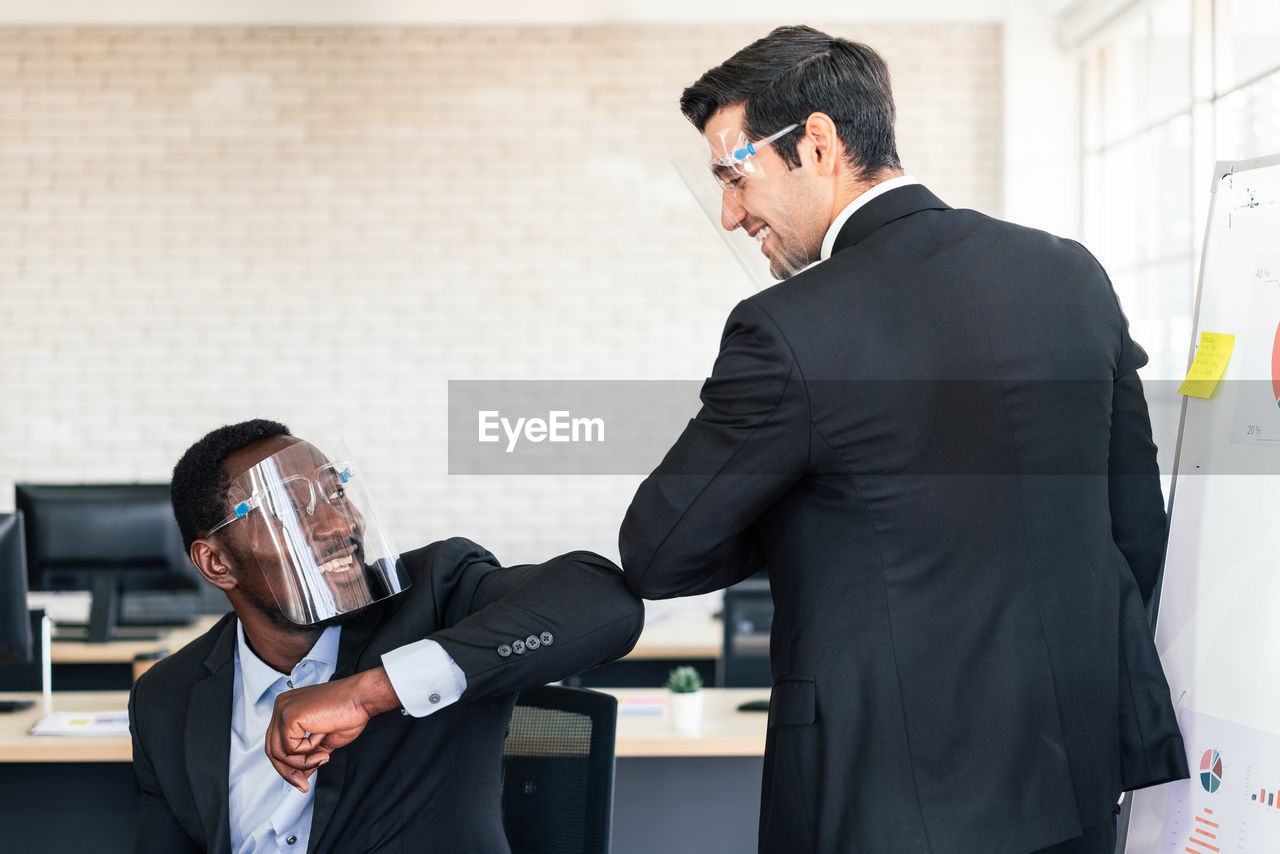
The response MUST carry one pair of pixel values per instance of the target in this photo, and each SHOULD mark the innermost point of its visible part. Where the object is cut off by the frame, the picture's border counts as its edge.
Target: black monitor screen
(76, 533)
(15, 628)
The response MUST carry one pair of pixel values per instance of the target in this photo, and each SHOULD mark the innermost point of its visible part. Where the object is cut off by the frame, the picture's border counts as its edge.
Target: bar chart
(1229, 805)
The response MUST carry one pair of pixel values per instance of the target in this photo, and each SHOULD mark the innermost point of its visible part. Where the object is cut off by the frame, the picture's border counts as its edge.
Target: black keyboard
(158, 608)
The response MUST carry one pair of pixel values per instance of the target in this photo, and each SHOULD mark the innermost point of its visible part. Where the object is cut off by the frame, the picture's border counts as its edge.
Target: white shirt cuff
(424, 677)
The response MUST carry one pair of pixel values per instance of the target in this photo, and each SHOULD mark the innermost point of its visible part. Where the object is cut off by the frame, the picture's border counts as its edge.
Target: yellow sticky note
(1209, 365)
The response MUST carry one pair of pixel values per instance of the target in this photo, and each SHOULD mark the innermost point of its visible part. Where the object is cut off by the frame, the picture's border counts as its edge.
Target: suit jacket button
(532, 642)
(517, 647)
(504, 650)
(546, 638)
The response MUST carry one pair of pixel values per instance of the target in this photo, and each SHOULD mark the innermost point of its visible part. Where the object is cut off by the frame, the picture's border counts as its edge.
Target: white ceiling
(510, 12)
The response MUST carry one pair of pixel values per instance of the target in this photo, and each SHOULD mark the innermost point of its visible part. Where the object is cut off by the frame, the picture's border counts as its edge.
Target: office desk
(688, 793)
(680, 638)
(82, 666)
(678, 793)
(124, 651)
(724, 732)
(17, 746)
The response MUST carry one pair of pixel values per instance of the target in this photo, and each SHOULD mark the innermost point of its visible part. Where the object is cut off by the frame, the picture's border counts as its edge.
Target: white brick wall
(324, 226)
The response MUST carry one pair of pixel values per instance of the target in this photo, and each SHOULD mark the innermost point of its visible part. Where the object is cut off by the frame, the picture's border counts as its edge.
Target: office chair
(748, 618)
(557, 777)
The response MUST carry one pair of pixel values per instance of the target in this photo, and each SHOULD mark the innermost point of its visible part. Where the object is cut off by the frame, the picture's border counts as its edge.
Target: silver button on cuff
(433, 699)
(292, 840)
(517, 647)
(532, 642)
(504, 650)
(546, 638)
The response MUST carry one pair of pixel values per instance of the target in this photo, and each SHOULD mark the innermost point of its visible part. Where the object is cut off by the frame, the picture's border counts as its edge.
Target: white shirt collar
(829, 242)
(258, 677)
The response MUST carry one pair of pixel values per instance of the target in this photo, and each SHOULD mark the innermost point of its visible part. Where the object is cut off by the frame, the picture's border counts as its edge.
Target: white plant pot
(686, 711)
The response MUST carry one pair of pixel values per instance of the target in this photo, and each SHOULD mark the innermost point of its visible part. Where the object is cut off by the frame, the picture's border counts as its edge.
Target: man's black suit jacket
(937, 443)
(405, 784)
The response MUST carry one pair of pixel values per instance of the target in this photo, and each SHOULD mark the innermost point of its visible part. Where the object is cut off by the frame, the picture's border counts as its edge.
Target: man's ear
(828, 151)
(214, 563)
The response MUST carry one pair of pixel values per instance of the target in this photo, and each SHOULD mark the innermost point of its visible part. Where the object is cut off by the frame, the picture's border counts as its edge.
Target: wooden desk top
(724, 732)
(123, 652)
(681, 637)
(17, 746)
(641, 731)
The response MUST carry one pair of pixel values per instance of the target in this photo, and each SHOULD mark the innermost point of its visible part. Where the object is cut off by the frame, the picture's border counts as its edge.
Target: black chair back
(557, 786)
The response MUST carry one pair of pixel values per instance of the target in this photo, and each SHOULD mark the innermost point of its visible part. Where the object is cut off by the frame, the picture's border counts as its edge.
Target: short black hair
(793, 72)
(200, 481)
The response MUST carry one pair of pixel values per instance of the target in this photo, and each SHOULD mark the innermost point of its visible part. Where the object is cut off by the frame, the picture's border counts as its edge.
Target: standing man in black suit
(343, 633)
(934, 437)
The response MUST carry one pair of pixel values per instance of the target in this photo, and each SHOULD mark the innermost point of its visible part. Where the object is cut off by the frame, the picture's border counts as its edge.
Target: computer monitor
(112, 539)
(748, 621)
(15, 627)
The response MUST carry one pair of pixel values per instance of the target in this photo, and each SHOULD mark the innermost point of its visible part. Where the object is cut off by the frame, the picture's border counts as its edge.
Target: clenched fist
(310, 723)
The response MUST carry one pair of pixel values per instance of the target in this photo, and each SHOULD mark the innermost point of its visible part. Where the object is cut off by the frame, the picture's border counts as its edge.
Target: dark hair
(796, 71)
(199, 486)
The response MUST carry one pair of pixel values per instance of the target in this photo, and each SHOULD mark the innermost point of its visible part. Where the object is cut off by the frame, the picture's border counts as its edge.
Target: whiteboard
(1218, 631)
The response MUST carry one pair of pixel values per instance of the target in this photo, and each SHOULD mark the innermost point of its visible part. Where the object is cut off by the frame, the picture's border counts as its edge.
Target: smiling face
(782, 209)
(298, 552)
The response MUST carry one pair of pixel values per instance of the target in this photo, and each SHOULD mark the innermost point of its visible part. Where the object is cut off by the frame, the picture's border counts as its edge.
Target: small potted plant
(685, 686)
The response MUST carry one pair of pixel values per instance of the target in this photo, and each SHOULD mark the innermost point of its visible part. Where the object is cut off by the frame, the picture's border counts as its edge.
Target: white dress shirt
(829, 242)
(266, 813)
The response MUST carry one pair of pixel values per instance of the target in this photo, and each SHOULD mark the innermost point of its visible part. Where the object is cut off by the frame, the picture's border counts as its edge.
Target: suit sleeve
(158, 829)
(523, 626)
(689, 528)
(1138, 523)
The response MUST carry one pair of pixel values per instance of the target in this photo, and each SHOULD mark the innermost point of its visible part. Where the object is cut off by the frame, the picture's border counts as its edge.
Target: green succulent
(684, 680)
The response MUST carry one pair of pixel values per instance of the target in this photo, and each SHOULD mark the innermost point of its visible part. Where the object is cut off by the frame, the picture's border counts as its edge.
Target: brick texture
(324, 226)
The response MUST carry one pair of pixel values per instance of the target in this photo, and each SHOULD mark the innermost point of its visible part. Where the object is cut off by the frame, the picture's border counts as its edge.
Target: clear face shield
(745, 199)
(307, 519)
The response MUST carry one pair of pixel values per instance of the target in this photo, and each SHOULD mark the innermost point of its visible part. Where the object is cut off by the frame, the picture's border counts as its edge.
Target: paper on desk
(643, 706)
(83, 723)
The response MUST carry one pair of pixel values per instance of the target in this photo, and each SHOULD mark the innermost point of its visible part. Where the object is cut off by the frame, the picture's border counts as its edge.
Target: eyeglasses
(298, 491)
(732, 167)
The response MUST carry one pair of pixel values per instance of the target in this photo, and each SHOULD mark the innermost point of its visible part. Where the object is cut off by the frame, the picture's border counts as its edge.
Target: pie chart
(1211, 770)
(1275, 366)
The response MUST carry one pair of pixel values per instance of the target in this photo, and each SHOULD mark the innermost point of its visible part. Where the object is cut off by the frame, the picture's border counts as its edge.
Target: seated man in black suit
(370, 642)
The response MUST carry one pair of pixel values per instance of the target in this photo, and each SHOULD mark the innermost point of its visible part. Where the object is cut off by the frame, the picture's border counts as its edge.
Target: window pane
(1170, 59)
(1124, 79)
(1161, 324)
(1165, 319)
(1248, 40)
(1094, 199)
(1166, 212)
(1119, 245)
(1091, 100)
(1248, 121)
